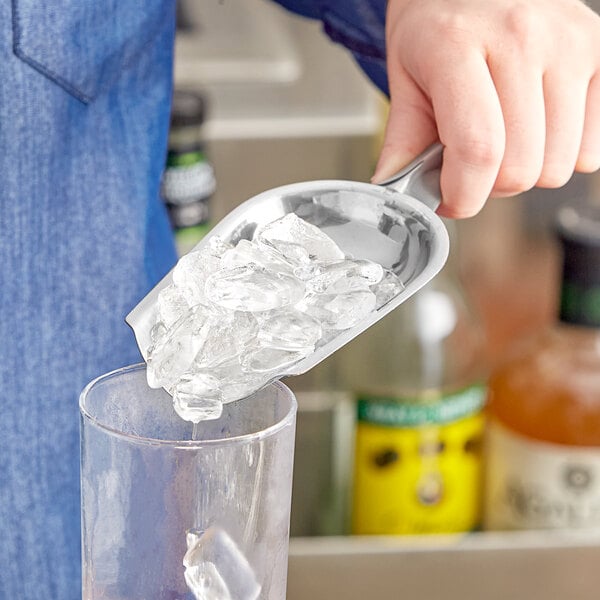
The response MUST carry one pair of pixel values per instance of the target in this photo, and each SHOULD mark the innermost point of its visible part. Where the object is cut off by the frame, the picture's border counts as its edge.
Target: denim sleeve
(357, 24)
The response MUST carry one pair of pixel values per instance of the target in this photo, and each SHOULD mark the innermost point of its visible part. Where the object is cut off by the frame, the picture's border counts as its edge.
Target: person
(510, 87)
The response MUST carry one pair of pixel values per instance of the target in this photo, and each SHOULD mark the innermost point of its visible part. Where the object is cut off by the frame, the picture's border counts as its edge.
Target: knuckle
(451, 27)
(478, 152)
(522, 22)
(528, 29)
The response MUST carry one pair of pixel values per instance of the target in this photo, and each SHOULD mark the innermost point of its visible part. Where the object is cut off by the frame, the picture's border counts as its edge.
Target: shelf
(234, 42)
(269, 74)
(528, 565)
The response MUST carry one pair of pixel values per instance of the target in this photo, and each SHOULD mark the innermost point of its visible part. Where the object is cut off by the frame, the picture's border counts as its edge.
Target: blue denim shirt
(84, 106)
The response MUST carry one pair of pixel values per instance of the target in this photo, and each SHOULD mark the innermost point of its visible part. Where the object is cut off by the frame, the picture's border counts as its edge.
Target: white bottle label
(537, 485)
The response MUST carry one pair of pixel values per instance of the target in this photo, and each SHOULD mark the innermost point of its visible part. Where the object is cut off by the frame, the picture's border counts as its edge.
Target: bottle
(543, 444)
(188, 179)
(417, 377)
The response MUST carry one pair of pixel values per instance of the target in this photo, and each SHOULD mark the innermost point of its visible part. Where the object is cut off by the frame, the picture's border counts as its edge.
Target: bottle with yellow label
(417, 376)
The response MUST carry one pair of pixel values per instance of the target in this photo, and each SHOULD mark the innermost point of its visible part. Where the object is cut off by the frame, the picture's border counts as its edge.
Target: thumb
(409, 130)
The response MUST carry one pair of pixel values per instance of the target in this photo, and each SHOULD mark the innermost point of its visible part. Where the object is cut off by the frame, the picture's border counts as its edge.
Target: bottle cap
(187, 109)
(578, 230)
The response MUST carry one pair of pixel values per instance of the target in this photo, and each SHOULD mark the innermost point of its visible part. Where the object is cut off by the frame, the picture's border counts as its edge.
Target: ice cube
(206, 583)
(171, 305)
(344, 276)
(234, 383)
(339, 311)
(389, 287)
(307, 271)
(216, 568)
(246, 252)
(224, 337)
(289, 329)
(328, 336)
(197, 397)
(157, 332)
(291, 229)
(245, 384)
(253, 288)
(293, 253)
(264, 360)
(175, 351)
(192, 269)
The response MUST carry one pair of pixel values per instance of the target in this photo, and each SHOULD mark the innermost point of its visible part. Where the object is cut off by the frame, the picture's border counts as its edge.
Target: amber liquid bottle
(543, 443)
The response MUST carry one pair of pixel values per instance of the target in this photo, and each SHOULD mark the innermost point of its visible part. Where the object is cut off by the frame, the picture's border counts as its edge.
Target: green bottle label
(580, 304)
(185, 159)
(411, 412)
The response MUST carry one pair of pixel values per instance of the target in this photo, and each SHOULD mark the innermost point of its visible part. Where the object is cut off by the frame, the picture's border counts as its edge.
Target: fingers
(588, 160)
(509, 91)
(410, 127)
(521, 96)
(470, 126)
(565, 100)
(505, 129)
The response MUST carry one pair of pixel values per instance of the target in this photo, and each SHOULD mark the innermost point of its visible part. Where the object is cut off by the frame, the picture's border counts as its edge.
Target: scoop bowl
(375, 222)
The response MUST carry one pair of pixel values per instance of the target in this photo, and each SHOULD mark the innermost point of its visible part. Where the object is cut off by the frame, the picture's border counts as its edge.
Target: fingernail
(387, 166)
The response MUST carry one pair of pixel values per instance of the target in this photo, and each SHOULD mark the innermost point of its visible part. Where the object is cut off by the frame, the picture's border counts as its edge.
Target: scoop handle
(421, 177)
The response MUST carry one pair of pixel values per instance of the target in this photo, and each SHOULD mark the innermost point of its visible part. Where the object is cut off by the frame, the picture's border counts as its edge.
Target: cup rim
(243, 438)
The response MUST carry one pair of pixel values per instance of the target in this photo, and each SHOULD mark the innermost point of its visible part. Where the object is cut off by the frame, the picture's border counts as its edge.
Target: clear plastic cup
(146, 483)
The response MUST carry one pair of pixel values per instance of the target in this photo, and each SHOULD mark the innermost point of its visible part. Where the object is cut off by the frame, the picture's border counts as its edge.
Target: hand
(510, 87)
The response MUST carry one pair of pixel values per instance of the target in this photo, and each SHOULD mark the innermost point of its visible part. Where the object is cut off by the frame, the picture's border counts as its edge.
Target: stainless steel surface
(366, 221)
(421, 178)
(234, 42)
(271, 74)
(482, 566)
(279, 161)
(322, 462)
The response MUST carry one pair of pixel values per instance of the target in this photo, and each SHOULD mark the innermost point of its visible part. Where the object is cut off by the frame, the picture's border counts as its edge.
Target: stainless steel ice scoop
(393, 224)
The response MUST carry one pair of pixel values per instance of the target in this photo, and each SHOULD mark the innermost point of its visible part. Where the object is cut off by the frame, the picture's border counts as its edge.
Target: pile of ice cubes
(235, 318)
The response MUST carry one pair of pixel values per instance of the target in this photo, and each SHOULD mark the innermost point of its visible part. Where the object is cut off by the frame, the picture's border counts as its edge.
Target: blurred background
(271, 101)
